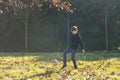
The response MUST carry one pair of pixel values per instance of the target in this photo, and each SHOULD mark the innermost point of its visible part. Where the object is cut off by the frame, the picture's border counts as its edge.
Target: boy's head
(74, 30)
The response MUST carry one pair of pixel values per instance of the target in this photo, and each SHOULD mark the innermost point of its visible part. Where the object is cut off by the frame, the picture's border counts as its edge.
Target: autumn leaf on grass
(54, 75)
(74, 71)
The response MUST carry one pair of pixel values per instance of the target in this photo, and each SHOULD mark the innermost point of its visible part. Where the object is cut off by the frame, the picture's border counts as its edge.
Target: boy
(75, 40)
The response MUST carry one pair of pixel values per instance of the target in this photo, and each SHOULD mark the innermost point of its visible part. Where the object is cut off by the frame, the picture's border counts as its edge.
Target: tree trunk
(68, 28)
(106, 27)
(26, 30)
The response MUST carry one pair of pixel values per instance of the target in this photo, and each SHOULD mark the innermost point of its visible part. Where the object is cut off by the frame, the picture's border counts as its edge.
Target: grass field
(39, 66)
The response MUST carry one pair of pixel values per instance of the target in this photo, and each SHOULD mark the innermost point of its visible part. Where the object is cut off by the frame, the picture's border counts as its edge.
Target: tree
(26, 7)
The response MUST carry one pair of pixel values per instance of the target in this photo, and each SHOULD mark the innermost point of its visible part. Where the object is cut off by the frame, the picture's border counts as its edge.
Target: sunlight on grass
(33, 68)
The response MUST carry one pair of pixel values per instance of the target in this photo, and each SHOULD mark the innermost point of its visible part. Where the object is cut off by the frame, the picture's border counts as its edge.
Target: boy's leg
(65, 57)
(73, 53)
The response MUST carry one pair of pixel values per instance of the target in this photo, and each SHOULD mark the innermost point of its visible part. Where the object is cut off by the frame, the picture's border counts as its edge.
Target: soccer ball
(54, 61)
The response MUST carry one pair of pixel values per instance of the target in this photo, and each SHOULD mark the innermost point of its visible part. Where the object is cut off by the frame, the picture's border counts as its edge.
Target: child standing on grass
(75, 40)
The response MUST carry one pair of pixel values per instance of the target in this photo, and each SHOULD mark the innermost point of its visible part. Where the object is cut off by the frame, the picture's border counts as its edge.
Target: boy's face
(74, 32)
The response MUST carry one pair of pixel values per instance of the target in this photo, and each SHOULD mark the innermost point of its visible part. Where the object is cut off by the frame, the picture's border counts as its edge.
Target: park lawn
(39, 66)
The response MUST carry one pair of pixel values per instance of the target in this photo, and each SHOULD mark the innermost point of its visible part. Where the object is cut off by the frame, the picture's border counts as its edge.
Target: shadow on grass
(83, 57)
(97, 56)
(59, 56)
(46, 74)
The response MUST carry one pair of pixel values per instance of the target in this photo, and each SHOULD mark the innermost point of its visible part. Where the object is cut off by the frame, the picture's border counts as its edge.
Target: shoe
(63, 66)
(75, 67)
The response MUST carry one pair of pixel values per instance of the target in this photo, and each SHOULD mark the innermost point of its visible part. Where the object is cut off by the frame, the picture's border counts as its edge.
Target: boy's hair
(74, 28)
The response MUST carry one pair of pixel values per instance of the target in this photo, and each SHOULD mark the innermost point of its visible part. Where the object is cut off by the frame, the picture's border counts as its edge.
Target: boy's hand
(83, 50)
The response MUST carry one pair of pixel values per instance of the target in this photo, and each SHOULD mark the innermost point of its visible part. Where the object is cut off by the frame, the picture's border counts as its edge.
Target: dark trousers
(73, 53)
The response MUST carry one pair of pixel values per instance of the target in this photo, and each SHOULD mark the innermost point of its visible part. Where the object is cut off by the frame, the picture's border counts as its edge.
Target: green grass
(59, 56)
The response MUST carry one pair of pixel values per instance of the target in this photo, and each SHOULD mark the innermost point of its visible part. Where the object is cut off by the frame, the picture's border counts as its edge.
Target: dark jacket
(75, 40)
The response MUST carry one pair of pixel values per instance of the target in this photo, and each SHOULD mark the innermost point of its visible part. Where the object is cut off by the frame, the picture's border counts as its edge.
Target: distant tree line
(98, 22)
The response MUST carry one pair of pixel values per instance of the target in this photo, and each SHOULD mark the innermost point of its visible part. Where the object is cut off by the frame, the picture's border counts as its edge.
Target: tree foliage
(47, 23)
(17, 5)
